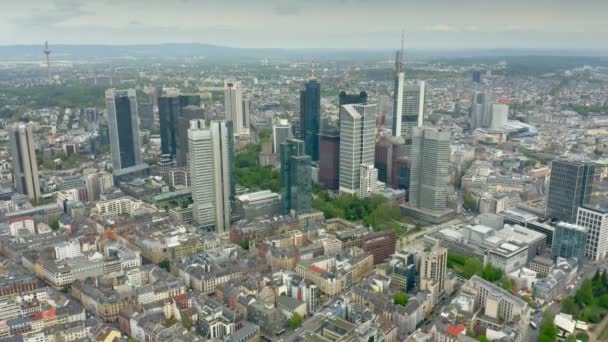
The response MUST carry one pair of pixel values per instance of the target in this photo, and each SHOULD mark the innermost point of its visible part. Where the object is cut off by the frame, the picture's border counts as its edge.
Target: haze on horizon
(372, 24)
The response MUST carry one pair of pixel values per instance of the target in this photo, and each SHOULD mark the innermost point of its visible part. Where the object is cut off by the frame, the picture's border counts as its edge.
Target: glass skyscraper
(123, 125)
(569, 241)
(570, 187)
(310, 117)
(169, 111)
(296, 187)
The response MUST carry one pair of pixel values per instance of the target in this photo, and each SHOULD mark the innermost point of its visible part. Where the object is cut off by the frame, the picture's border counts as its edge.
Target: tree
(483, 338)
(471, 267)
(244, 244)
(470, 202)
(507, 285)
(401, 298)
(295, 321)
(548, 330)
(491, 273)
(584, 295)
(569, 306)
(165, 264)
(54, 224)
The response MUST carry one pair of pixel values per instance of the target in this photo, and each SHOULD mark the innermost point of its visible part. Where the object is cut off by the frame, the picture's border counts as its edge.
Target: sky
(367, 24)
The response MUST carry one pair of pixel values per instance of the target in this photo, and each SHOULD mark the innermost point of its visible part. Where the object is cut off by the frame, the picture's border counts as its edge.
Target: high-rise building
(368, 180)
(123, 126)
(169, 111)
(480, 110)
(310, 117)
(187, 114)
(595, 220)
(345, 98)
(409, 113)
(91, 119)
(211, 154)
(25, 166)
(329, 167)
(500, 115)
(433, 271)
(429, 172)
(281, 131)
(235, 107)
(388, 150)
(146, 115)
(400, 176)
(246, 113)
(296, 181)
(570, 187)
(476, 76)
(357, 140)
(569, 241)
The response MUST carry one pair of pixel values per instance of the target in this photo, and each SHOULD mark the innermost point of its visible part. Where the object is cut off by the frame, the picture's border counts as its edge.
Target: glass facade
(310, 117)
(296, 188)
(569, 241)
(570, 187)
(125, 131)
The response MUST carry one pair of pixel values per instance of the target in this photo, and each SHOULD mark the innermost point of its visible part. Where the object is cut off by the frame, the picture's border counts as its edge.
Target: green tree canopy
(295, 321)
(401, 298)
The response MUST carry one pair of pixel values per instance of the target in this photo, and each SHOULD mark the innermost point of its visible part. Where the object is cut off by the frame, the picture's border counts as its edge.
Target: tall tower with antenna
(47, 52)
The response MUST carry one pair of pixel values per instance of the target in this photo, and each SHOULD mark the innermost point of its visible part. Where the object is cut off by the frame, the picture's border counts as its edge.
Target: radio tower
(47, 52)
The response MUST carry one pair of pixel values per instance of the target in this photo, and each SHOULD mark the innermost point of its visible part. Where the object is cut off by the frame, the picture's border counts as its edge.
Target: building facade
(169, 111)
(296, 181)
(25, 166)
(569, 241)
(310, 117)
(570, 187)
(123, 126)
(329, 160)
(595, 220)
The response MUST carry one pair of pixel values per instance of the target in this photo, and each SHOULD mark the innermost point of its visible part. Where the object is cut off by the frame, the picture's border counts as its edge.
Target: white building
(500, 115)
(22, 223)
(280, 132)
(368, 180)
(357, 143)
(410, 110)
(211, 150)
(6, 207)
(596, 222)
(235, 107)
(67, 250)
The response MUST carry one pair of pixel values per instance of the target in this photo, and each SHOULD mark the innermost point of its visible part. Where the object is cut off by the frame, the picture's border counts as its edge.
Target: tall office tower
(429, 173)
(169, 111)
(569, 241)
(211, 154)
(368, 180)
(480, 110)
(90, 115)
(296, 187)
(357, 140)
(433, 271)
(412, 113)
(345, 98)
(329, 167)
(595, 220)
(281, 131)
(146, 115)
(246, 113)
(310, 117)
(187, 114)
(570, 187)
(25, 166)
(388, 149)
(123, 126)
(233, 104)
(400, 176)
(93, 186)
(476, 76)
(500, 115)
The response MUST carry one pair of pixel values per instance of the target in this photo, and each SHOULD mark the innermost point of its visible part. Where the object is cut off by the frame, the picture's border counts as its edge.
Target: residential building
(570, 187)
(25, 166)
(357, 139)
(123, 125)
(433, 271)
(296, 187)
(380, 244)
(17, 225)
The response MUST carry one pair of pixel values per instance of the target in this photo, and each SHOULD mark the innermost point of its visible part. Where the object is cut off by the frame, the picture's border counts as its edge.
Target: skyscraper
(569, 241)
(429, 172)
(409, 113)
(296, 187)
(187, 114)
(500, 115)
(329, 158)
(235, 107)
(123, 126)
(169, 110)
(344, 98)
(570, 187)
(25, 166)
(368, 176)
(357, 140)
(480, 110)
(280, 132)
(310, 117)
(211, 154)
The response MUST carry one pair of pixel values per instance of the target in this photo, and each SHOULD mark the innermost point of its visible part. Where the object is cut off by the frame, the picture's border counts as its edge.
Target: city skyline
(433, 24)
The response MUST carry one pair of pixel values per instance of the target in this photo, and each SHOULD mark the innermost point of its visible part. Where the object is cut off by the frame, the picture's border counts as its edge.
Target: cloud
(282, 10)
(61, 11)
(442, 28)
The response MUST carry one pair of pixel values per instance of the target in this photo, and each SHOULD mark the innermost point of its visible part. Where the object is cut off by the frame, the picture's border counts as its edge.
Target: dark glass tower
(570, 187)
(296, 187)
(169, 111)
(569, 241)
(123, 128)
(310, 117)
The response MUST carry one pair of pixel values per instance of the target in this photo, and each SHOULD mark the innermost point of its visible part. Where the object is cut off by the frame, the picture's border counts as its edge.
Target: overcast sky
(310, 23)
